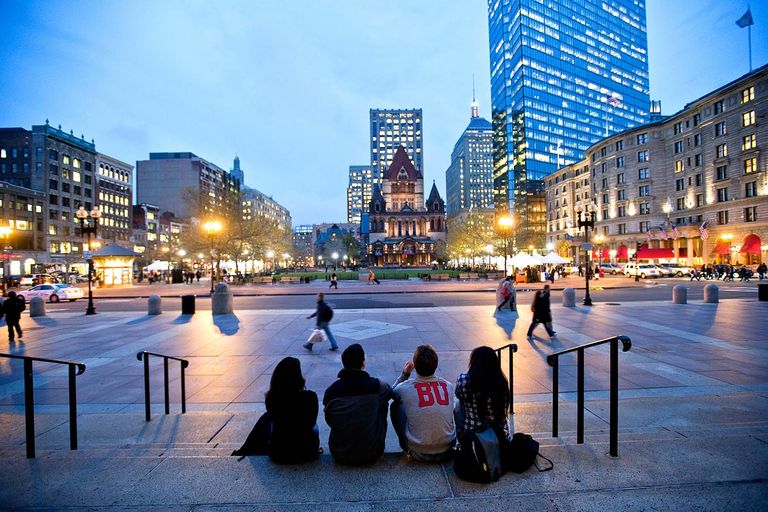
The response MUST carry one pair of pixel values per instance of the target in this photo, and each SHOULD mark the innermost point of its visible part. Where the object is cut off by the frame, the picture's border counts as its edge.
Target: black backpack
(523, 450)
(479, 457)
(326, 313)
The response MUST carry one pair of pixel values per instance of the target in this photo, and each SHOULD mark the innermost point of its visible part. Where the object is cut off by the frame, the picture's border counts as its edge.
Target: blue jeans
(324, 327)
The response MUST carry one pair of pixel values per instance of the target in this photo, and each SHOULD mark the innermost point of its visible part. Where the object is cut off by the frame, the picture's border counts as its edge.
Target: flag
(614, 101)
(703, 231)
(745, 20)
(675, 232)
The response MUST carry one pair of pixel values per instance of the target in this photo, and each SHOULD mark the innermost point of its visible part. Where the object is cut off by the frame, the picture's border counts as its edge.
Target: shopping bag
(317, 336)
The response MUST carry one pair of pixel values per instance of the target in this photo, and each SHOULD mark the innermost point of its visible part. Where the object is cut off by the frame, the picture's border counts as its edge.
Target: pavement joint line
(231, 416)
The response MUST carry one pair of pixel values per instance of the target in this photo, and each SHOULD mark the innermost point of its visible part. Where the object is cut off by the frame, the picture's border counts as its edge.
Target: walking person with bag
(12, 308)
(506, 292)
(324, 314)
(542, 313)
(334, 281)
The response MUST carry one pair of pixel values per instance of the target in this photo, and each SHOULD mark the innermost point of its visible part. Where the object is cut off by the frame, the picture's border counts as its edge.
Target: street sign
(586, 246)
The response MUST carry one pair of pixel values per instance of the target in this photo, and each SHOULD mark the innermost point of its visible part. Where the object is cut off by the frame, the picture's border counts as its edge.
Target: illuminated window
(679, 166)
(721, 151)
(65, 159)
(748, 118)
(748, 142)
(747, 94)
(76, 163)
(750, 165)
(75, 176)
(3, 153)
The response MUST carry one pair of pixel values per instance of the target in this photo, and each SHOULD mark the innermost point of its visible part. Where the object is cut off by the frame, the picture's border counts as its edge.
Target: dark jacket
(324, 313)
(12, 308)
(541, 308)
(294, 418)
(356, 411)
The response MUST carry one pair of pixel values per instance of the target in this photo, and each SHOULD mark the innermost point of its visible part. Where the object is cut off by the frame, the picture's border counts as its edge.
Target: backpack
(326, 313)
(523, 450)
(479, 457)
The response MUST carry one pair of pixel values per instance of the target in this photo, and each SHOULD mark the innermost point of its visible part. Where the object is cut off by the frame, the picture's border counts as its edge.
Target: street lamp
(82, 214)
(5, 235)
(271, 255)
(505, 229)
(335, 257)
(212, 228)
(586, 220)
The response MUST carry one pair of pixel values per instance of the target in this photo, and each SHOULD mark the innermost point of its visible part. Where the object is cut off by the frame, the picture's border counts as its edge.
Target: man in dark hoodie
(356, 411)
(12, 308)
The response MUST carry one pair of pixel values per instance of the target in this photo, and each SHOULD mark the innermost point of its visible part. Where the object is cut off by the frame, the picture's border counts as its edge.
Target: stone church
(405, 230)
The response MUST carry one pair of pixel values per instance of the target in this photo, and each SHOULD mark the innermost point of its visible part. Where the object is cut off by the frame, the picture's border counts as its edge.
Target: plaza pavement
(693, 412)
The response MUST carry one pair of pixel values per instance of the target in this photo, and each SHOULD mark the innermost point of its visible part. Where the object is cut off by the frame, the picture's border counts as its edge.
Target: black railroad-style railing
(613, 423)
(512, 348)
(184, 363)
(75, 369)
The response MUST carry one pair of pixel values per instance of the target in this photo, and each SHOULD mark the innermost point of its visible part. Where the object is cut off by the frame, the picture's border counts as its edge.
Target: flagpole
(749, 35)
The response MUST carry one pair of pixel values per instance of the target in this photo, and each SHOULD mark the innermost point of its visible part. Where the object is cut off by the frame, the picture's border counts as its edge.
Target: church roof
(434, 195)
(401, 161)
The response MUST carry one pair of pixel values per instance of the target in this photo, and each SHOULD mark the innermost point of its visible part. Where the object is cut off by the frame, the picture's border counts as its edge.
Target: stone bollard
(221, 300)
(36, 307)
(569, 298)
(711, 294)
(679, 294)
(154, 305)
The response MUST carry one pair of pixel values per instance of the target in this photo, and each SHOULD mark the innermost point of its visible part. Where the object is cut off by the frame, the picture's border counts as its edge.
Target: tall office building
(391, 129)
(358, 192)
(564, 74)
(469, 179)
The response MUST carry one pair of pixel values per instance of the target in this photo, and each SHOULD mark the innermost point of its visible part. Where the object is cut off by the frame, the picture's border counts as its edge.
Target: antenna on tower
(474, 108)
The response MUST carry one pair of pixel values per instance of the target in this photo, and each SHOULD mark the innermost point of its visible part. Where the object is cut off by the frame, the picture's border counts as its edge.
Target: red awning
(751, 245)
(622, 252)
(606, 253)
(722, 247)
(646, 253)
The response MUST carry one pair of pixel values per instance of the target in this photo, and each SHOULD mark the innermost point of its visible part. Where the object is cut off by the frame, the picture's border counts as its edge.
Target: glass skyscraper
(391, 129)
(564, 74)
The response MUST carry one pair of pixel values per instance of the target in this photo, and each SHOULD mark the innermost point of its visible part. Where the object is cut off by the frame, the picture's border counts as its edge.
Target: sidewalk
(693, 413)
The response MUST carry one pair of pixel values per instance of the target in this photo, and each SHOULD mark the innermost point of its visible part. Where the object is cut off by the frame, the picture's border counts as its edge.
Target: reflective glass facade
(564, 74)
(391, 129)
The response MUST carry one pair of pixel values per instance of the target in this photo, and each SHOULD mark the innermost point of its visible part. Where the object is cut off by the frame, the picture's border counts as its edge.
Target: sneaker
(307, 346)
(333, 349)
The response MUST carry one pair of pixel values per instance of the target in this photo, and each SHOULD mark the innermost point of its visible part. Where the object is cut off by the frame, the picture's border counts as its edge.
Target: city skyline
(193, 79)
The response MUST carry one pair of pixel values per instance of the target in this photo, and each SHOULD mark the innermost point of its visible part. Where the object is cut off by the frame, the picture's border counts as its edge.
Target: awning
(622, 252)
(751, 245)
(646, 253)
(722, 247)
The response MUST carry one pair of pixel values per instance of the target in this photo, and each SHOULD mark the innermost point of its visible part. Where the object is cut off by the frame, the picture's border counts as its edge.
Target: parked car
(664, 271)
(677, 269)
(35, 279)
(609, 268)
(52, 292)
(643, 270)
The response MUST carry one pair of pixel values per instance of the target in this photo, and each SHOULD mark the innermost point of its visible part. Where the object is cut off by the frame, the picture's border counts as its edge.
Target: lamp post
(335, 257)
(505, 229)
(586, 220)
(212, 228)
(5, 235)
(82, 214)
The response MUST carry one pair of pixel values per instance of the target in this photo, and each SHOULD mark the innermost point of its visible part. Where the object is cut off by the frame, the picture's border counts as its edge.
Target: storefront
(113, 265)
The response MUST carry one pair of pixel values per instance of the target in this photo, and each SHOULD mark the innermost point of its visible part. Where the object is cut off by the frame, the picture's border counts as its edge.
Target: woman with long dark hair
(287, 432)
(483, 394)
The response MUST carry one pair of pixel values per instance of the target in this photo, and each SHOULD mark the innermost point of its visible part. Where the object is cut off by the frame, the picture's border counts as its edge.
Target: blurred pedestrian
(542, 313)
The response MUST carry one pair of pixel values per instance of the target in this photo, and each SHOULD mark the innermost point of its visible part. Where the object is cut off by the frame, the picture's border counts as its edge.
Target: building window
(720, 129)
(53, 184)
(748, 118)
(722, 195)
(602, 168)
(699, 200)
(642, 138)
(53, 199)
(643, 174)
(678, 147)
(747, 94)
(697, 160)
(644, 190)
(680, 184)
(722, 217)
(721, 151)
(697, 140)
(620, 178)
(699, 179)
(721, 172)
(645, 208)
(622, 211)
(622, 228)
(644, 225)
(619, 145)
(678, 127)
(619, 161)
(750, 165)
(679, 166)
(603, 151)
(605, 198)
(65, 187)
(605, 215)
(3, 153)
(621, 195)
(605, 182)
(748, 142)
(76, 163)
(750, 189)
(718, 107)
(750, 214)
(680, 203)
(75, 176)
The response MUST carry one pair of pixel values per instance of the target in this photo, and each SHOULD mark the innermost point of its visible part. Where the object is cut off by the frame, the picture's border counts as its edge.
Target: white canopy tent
(523, 259)
(554, 258)
(157, 265)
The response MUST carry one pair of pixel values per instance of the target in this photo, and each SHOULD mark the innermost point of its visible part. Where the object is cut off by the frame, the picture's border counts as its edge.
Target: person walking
(12, 308)
(542, 313)
(372, 277)
(761, 270)
(506, 294)
(334, 281)
(324, 314)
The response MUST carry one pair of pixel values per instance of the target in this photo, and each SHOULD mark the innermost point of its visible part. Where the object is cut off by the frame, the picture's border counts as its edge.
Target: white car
(663, 271)
(52, 292)
(677, 269)
(643, 270)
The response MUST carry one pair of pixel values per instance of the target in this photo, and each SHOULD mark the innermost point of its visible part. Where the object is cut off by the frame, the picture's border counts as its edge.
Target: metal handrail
(512, 349)
(184, 363)
(75, 369)
(552, 360)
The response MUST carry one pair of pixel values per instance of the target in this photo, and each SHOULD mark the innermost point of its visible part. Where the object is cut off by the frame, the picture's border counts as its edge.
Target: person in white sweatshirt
(422, 410)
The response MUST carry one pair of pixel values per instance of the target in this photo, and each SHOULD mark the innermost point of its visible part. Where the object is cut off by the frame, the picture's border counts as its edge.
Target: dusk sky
(287, 85)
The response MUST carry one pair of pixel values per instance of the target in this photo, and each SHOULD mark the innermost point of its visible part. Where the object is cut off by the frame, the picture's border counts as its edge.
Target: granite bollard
(569, 298)
(36, 307)
(711, 294)
(154, 305)
(679, 294)
(221, 300)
